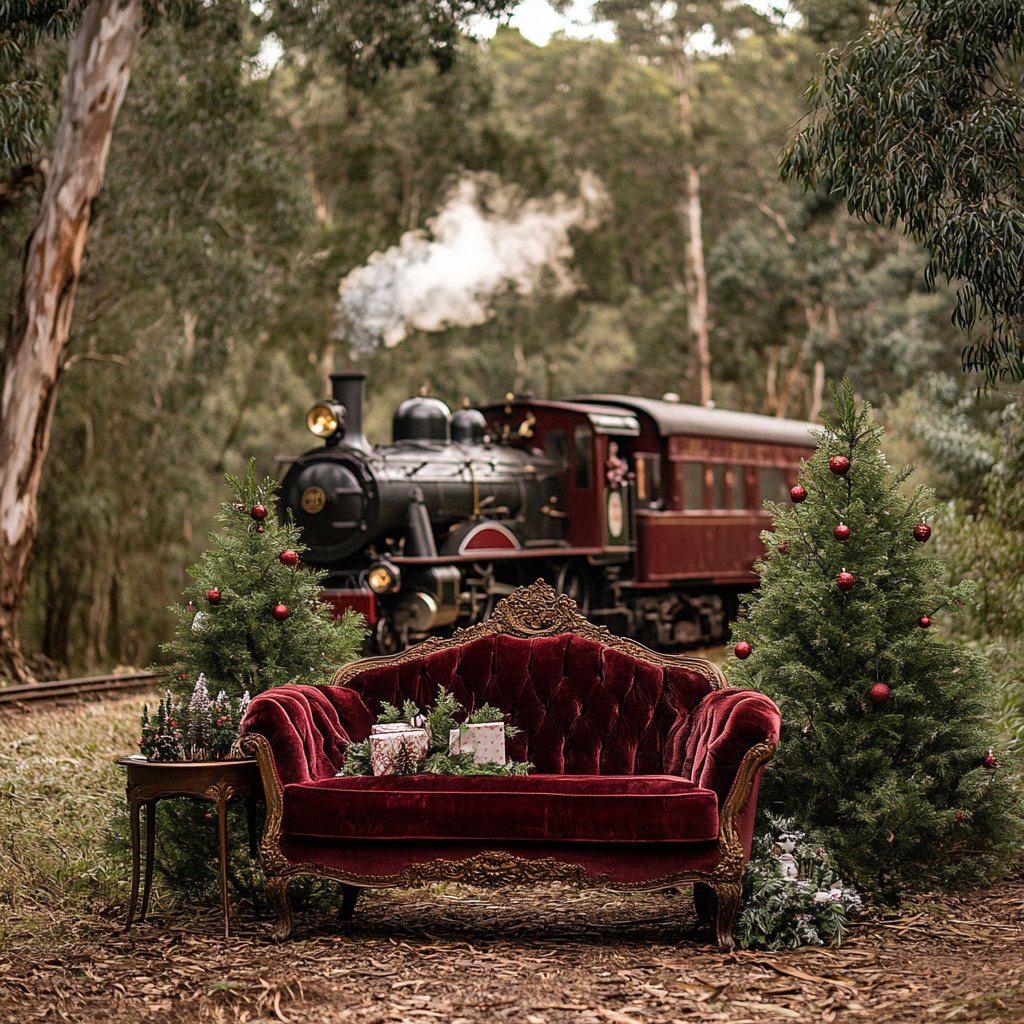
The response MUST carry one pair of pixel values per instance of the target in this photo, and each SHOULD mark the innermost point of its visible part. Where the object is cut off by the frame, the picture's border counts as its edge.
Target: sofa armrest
(307, 729)
(727, 725)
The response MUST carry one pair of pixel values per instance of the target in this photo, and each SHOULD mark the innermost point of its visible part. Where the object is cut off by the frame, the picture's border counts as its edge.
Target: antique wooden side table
(219, 782)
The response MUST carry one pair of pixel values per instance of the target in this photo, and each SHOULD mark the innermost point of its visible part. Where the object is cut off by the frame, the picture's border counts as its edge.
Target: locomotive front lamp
(325, 418)
(384, 578)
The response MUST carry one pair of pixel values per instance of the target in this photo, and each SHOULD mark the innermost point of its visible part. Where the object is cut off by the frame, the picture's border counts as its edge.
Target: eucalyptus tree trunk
(99, 66)
(695, 277)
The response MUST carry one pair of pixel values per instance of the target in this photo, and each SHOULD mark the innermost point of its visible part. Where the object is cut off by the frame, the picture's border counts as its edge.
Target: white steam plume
(485, 239)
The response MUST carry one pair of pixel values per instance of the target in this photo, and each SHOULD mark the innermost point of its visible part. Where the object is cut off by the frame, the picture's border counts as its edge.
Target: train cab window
(582, 442)
(693, 485)
(737, 487)
(648, 481)
(772, 484)
(555, 446)
(717, 474)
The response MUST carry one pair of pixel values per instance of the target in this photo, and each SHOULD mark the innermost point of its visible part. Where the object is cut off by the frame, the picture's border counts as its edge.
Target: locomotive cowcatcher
(646, 512)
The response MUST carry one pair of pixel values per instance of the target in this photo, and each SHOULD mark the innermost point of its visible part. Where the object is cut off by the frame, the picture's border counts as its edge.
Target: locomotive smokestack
(350, 390)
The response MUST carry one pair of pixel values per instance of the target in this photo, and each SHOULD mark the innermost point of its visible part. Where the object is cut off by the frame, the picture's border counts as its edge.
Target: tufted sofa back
(583, 708)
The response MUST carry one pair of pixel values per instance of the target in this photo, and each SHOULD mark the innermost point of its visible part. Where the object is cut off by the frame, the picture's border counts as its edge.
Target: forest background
(237, 196)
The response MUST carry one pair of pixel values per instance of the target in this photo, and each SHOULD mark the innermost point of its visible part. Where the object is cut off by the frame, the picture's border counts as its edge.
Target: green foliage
(779, 911)
(982, 539)
(439, 722)
(30, 71)
(896, 791)
(919, 124)
(366, 38)
(236, 641)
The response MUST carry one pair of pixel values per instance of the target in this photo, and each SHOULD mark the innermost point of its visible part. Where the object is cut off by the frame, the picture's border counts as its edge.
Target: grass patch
(59, 789)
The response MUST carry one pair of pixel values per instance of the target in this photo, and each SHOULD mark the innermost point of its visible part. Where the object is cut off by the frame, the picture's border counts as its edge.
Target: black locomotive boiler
(646, 512)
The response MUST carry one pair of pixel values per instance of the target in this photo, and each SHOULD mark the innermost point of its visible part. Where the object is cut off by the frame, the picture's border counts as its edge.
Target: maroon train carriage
(647, 513)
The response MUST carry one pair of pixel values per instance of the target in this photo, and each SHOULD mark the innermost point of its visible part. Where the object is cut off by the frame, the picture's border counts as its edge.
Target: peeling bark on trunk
(696, 278)
(99, 66)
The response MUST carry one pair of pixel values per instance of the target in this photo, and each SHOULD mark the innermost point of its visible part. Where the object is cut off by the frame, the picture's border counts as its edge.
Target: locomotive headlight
(325, 418)
(384, 578)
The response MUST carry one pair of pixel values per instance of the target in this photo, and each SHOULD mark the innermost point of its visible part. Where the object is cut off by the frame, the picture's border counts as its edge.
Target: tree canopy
(918, 124)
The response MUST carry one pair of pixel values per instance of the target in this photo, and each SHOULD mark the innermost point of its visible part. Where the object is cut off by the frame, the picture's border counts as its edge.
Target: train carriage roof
(678, 418)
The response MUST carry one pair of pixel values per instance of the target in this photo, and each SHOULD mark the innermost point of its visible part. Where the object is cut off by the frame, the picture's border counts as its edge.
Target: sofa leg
(349, 895)
(704, 902)
(728, 900)
(277, 894)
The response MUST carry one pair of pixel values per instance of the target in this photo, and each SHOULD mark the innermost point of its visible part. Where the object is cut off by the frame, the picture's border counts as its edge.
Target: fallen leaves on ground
(540, 956)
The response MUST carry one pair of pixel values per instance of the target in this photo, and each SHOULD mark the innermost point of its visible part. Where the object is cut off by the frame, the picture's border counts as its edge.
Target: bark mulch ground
(464, 956)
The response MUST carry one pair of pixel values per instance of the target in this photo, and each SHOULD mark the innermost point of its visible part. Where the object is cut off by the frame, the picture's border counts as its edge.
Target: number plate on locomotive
(313, 499)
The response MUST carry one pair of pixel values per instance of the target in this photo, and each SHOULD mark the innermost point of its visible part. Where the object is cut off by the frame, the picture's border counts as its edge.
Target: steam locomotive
(646, 512)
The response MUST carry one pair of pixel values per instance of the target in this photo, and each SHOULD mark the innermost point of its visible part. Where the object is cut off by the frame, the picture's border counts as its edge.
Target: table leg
(147, 884)
(222, 826)
(133, 810)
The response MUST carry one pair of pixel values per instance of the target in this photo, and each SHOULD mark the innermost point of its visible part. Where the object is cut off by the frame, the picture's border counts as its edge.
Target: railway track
(60, 688)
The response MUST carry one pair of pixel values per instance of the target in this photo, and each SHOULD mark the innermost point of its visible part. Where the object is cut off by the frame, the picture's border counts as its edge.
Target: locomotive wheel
(388, 640)
(573, 580)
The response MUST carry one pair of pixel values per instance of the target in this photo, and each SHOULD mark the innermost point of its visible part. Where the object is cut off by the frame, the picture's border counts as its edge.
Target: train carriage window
(648, 480)
(772, 484)
(693, 485)
(738, 486)
(717, 475)
(555, 446)
(582, 442)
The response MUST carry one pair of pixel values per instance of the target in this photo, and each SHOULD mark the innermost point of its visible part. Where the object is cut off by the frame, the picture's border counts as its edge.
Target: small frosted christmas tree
(253, 618)
(885, 751)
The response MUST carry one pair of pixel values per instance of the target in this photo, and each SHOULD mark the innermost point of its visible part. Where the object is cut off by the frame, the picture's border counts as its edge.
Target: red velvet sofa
(646, 767)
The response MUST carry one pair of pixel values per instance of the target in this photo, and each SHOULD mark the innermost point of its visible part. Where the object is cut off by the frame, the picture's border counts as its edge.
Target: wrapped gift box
(386, 741)
(485, 741)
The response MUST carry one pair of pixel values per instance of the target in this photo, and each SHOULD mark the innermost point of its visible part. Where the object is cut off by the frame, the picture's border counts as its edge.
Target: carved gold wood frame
(529, 612)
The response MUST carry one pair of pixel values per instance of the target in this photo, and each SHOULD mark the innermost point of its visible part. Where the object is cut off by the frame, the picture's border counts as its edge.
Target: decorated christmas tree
(885, 756)
(253, 618)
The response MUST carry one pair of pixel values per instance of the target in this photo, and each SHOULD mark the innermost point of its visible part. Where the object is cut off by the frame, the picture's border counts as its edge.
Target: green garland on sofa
(439, 721)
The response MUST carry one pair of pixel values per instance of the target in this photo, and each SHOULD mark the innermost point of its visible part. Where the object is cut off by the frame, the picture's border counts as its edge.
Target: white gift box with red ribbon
(386, 741)
(484, 740)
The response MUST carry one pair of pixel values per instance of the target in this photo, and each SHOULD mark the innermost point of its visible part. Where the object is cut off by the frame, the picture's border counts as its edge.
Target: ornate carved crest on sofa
(647, 767)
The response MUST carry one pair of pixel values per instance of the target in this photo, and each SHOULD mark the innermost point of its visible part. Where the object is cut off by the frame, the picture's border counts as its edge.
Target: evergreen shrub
(886, 755)
(229, 639)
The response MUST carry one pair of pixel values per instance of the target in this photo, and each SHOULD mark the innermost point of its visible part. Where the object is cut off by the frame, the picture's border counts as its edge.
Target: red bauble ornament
(990, 760)
(288, 558)
(784, 548)
(924, 622)
(842, 532)
(213, 596)
(797, 494)
(922, 532)
(191, 608)
(879, 693)
(259, 529)
(961, 818)
(742, 650)
(258, 512)
(184, 675)
(839, 464)
(844, 581)
(280, 612)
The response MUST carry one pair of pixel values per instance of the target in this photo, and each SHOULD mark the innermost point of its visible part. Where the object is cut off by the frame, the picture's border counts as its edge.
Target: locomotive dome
(421, 419)
(468, 426)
